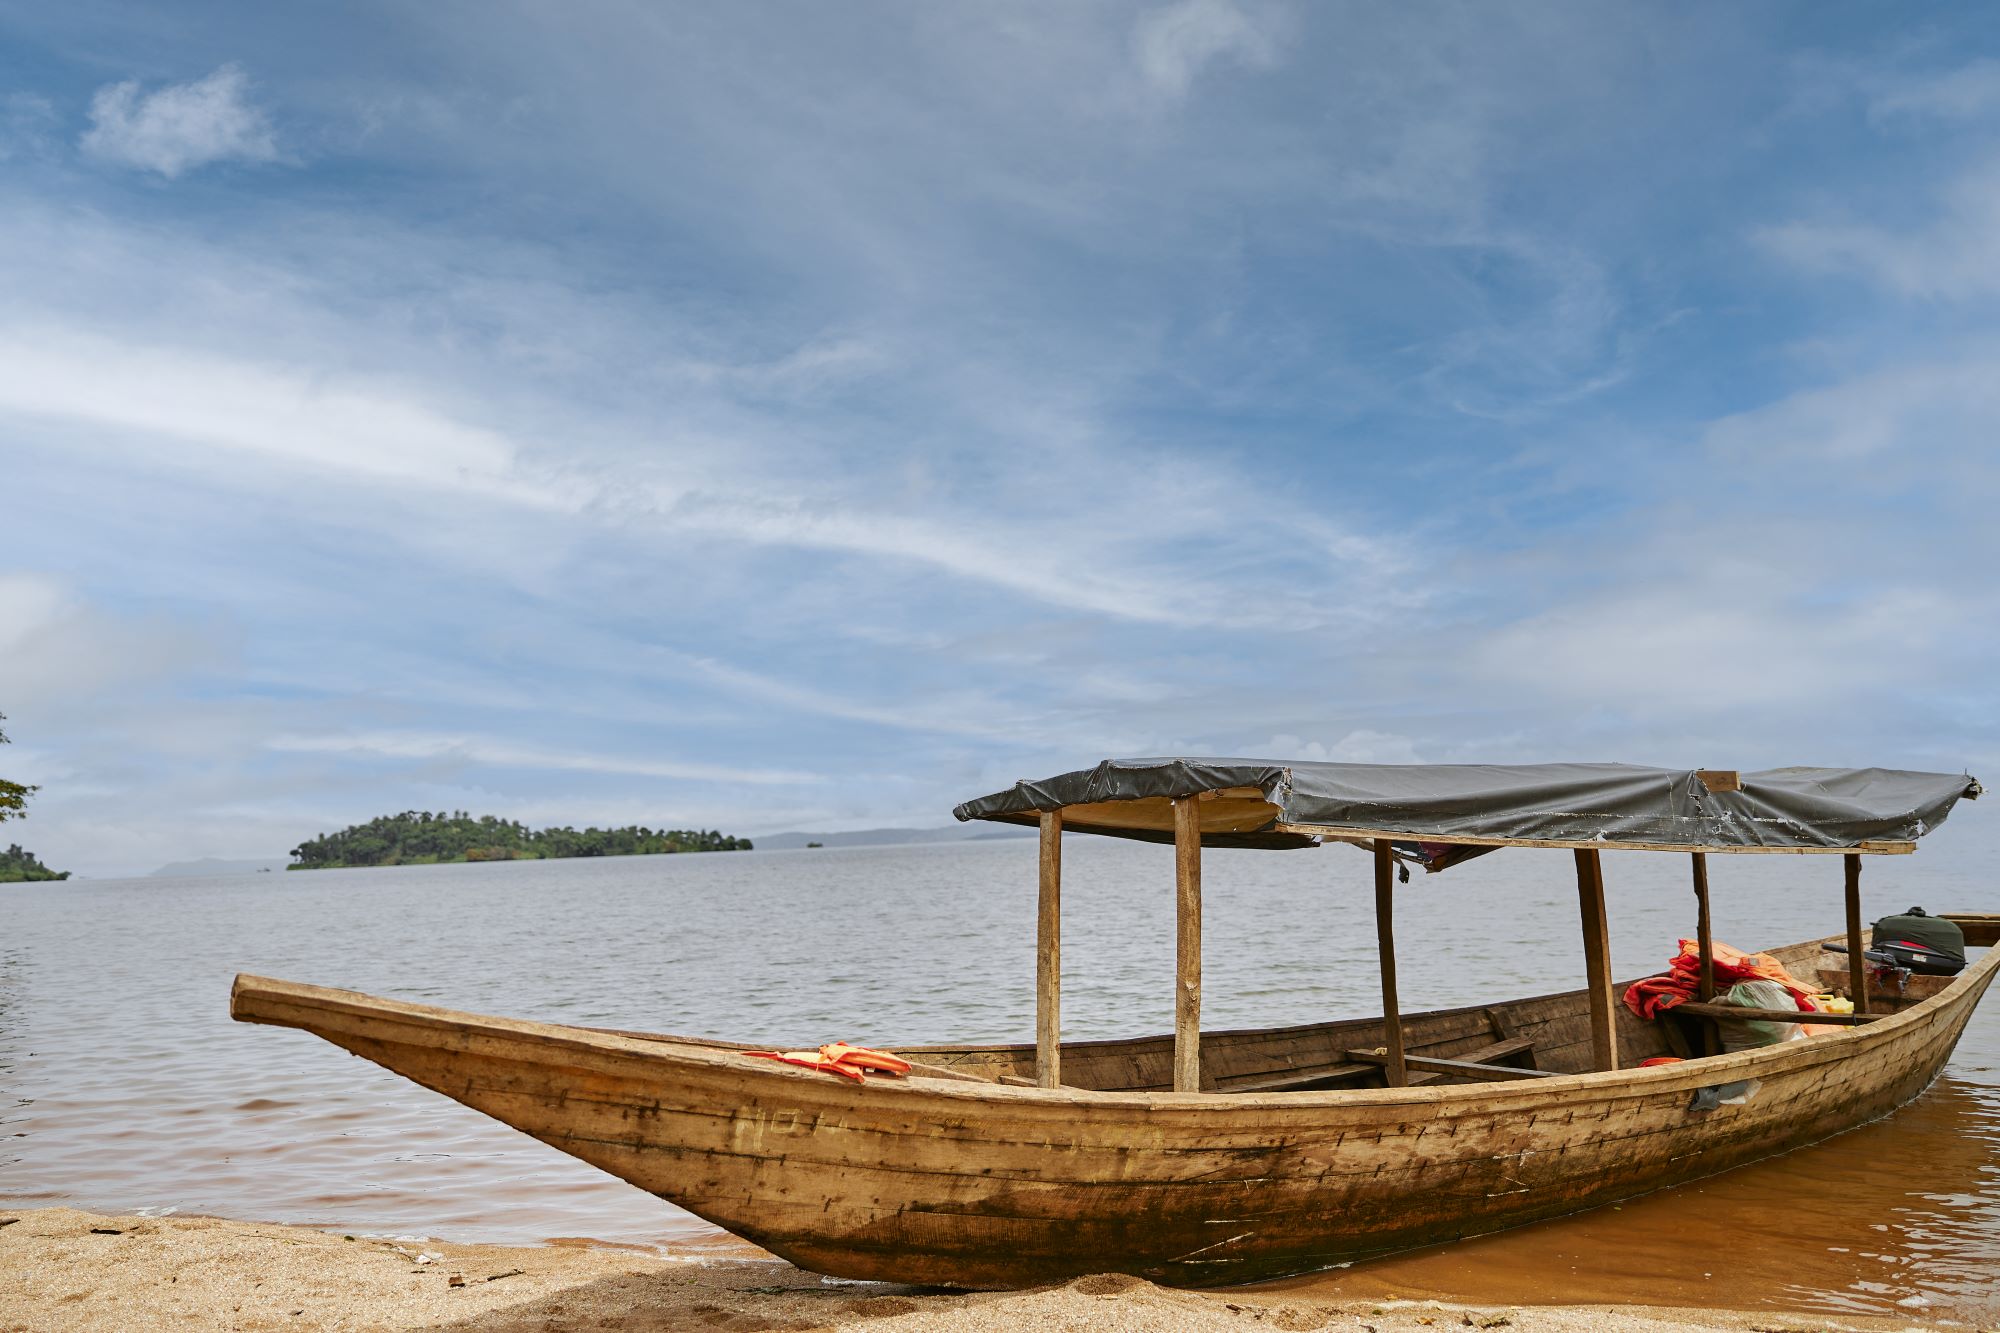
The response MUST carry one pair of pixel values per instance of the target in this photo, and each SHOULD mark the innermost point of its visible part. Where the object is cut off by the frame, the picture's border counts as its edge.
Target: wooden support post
(1597, 959)
(1704, 930)
(1187, 944)
(1048, 956)
(1857, 966)
(1396, 1070)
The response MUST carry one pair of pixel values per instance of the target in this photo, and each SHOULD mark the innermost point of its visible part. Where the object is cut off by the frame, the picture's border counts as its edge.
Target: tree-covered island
(419, 838)
(17, 866)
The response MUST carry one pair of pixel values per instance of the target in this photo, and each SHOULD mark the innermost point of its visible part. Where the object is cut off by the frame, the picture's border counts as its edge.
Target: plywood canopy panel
(1223, 813)
(1237, 810)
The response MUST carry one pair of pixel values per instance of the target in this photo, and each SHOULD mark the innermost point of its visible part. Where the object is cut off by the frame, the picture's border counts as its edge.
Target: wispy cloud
(1953, 255)
(180, 127)
(1361, 746)
(1671, 649)
(1057, 714)
(1912, 417)
(1175, 43)
(184, 406)
(464, 751)
(1965, 92)
(284, 414)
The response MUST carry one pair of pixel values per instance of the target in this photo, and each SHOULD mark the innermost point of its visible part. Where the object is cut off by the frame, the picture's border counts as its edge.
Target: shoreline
(63, 1269)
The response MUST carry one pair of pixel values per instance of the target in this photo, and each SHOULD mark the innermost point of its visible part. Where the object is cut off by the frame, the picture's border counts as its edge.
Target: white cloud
(380, 434)
(462, 750)
(1048, 567)
(1814, 570)
(26, 604)
(59, 654)
(284, 414)
(965, 716)
(1053, 718)
(180, 127)
(816, 365)
(1918, 416)
(1356, 747)
(1968, 92)
(1955, 257)
(1714, 648)
(1173, 45)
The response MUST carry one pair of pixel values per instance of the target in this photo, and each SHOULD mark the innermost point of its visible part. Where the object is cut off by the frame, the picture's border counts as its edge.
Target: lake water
(124, 1087)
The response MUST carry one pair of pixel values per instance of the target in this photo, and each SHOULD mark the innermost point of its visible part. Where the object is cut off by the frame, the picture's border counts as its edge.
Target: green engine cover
(1920, 927)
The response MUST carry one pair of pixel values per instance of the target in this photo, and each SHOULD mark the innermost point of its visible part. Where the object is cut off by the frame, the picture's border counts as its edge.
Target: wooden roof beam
(1366, 836)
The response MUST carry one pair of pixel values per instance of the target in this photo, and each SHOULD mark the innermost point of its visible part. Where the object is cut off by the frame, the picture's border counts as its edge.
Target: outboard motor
(1926, 944)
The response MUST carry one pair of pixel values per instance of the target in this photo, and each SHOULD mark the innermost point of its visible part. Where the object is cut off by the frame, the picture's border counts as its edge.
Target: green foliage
(17, 865)
(421, 838)
(13, 796)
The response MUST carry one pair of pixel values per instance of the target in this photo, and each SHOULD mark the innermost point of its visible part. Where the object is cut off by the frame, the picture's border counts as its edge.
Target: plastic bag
(1758, 995)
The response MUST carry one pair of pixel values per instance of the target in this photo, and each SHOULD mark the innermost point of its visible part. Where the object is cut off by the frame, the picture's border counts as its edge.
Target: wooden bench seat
(1504, 1051)
(1486, 1062)
(1430, 1068)
(1495, 1060)
(1300, 1080)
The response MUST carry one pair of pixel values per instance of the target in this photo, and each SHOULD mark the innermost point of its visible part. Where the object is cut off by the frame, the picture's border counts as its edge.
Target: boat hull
(975, 1184)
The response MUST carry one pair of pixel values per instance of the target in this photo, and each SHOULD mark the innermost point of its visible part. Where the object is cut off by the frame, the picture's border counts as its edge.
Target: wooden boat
(1201, 1158)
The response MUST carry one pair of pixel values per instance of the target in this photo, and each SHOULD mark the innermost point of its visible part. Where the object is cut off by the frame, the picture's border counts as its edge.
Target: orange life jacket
(847, 1061)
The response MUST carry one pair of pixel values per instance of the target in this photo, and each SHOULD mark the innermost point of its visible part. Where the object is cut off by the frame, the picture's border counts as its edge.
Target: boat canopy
(1267, 803)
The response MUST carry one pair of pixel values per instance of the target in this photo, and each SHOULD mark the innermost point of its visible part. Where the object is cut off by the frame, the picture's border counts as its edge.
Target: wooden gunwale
(1982, 929)
(980, 1184)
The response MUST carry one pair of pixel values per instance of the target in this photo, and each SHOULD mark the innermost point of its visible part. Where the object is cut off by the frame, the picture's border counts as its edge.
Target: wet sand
(61, 1269)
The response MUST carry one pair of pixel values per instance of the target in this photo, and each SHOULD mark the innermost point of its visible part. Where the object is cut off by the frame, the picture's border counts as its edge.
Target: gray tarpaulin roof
(1593, 804)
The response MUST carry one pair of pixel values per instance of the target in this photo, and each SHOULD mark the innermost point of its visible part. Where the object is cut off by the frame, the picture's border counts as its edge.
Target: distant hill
(209, 866)
(891, 837)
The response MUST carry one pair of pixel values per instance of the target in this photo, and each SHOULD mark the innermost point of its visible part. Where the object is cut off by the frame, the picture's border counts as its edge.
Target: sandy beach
(61, 1269)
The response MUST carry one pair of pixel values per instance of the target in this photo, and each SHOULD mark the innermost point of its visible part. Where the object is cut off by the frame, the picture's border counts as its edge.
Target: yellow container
(1834, 1004)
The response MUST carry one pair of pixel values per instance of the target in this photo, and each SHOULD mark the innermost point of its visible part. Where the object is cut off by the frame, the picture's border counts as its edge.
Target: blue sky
(770, 417)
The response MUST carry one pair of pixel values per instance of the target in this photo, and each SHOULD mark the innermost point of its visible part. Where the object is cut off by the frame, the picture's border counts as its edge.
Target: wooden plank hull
(981, 1185)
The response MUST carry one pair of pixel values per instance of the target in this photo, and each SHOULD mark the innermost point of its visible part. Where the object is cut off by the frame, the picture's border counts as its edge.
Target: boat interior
(1531, 1038)
(1439, 816)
